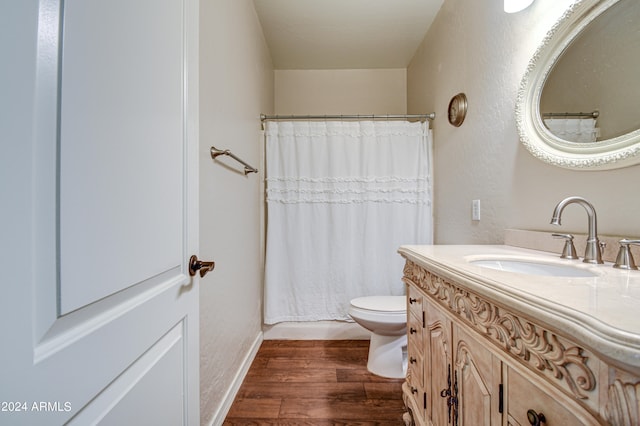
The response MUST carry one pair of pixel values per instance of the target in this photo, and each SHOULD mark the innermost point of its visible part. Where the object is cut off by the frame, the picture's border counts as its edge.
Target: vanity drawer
(415, 368)
(523, 396)
(414, 302)
(414, 334)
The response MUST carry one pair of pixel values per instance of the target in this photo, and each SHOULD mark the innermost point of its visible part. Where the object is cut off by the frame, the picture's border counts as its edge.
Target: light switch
(475, 210)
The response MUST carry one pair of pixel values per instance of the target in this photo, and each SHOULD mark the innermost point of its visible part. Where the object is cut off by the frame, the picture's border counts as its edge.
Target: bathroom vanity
(499, 335)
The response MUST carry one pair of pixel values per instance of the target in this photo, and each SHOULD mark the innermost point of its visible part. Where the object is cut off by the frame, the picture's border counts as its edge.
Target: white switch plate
(475, 210)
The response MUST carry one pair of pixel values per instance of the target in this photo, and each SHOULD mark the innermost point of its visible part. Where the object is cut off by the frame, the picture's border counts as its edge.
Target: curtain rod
(593, 114)
(264, 117)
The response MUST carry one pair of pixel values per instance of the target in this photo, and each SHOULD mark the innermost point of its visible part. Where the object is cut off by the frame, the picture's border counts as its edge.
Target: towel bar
(215, 152)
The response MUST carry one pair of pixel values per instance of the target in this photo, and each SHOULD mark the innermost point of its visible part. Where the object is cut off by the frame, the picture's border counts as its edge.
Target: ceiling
(344, 34)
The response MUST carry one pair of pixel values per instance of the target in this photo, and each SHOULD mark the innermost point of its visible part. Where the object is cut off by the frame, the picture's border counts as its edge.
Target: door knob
(196, 265)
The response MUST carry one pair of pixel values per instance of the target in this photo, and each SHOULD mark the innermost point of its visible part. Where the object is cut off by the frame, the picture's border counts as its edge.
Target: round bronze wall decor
(457, 109)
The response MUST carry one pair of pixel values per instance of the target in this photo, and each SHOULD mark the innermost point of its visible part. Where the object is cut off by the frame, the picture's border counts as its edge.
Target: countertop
(600, 312)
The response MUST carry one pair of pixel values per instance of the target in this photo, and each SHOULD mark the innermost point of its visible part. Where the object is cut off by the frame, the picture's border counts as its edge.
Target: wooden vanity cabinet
(459, 377)
(454, 366)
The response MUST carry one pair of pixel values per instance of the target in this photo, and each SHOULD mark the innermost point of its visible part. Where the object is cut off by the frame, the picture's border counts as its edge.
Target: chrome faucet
(592, 253)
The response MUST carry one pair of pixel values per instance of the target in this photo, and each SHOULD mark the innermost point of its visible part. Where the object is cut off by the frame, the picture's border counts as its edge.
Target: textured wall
(236, 83)
(476, 48)
(365, 91)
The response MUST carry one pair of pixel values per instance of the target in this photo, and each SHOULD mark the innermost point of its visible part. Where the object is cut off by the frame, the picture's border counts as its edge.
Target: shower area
(342, 194)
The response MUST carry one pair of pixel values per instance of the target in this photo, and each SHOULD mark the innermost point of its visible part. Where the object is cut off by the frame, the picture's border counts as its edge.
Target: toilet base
(388, 356)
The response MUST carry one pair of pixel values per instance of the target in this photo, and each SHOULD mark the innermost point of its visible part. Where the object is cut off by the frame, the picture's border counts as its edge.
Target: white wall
(366, 91)
(476, 48)
(236, 83)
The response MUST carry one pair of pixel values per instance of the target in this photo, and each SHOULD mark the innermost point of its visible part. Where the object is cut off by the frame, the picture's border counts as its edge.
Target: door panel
(439, 368)
(100, 320)
(477, 372)
(159, 373)
(121, 164)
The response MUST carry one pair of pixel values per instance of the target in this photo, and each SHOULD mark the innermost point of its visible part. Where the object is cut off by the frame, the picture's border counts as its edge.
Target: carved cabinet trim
(538, 348)
(623, 404)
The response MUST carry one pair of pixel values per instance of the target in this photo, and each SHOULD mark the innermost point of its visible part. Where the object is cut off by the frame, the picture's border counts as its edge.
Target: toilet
(386, 318)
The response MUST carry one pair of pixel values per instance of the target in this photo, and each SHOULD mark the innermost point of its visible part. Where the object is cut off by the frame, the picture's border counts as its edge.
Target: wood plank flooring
(315, 383)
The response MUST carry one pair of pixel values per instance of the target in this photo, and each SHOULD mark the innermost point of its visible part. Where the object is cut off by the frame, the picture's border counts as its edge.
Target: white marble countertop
(600, 312)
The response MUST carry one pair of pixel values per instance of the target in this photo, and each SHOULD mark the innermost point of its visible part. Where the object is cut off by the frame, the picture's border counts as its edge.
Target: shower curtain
(574, 129)
(341, 198)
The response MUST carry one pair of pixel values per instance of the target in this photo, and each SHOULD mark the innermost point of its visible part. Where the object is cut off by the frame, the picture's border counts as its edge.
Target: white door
(98, 122)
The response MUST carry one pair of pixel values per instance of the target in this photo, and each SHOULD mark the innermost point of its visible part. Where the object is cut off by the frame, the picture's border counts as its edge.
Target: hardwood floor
(315, 383)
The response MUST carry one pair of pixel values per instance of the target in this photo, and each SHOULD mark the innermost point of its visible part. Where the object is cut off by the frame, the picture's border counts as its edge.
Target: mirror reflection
(592, 93)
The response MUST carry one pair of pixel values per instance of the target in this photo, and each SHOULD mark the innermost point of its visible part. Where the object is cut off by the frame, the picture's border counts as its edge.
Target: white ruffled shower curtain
(574, 129)
(341, 198)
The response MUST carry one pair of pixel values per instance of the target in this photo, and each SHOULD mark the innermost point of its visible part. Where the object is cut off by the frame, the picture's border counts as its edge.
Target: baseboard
(223, 410)
(316, 330)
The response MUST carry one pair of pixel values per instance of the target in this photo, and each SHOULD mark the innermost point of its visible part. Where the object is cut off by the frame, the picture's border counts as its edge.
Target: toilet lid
(381, 303)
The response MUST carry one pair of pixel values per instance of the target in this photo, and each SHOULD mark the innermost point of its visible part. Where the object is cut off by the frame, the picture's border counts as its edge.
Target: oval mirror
(579, 101)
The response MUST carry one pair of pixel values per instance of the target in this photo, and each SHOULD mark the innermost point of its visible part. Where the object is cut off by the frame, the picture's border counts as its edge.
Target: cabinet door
(438, 368)
(477, 380)
(523, 395)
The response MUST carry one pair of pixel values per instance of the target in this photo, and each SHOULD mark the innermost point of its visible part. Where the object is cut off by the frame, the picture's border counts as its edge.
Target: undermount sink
(532, 267)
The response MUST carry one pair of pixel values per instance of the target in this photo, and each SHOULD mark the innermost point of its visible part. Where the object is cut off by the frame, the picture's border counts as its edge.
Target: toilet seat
(390, 304)
(386, 315)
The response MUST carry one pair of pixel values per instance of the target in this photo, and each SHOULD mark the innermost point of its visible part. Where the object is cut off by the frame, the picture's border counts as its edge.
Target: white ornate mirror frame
(612, 153)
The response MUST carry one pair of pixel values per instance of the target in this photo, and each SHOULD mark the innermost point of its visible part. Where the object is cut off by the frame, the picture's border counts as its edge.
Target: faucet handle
(569, 251)
(624, 260)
